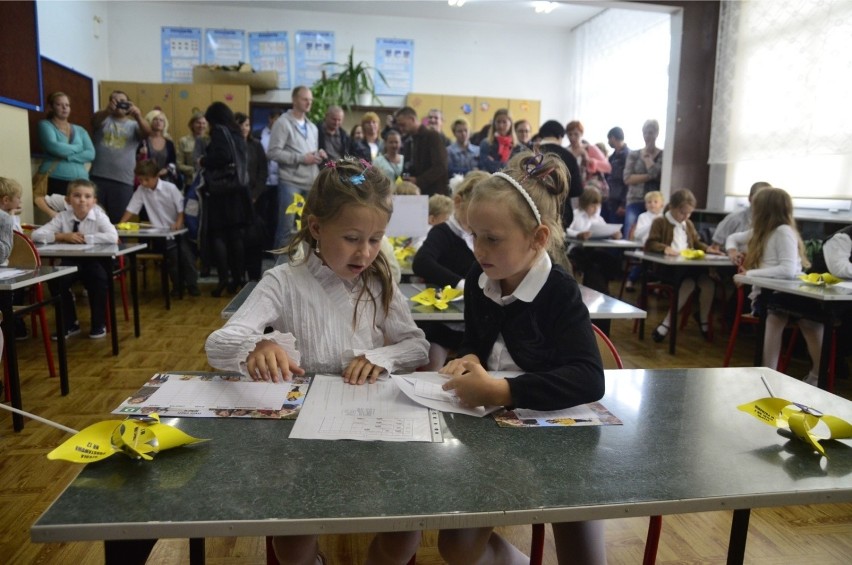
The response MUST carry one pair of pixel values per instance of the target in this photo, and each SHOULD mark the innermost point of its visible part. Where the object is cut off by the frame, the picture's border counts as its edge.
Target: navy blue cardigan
(551, 338)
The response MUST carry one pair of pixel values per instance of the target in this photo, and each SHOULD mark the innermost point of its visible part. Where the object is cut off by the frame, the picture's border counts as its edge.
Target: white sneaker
(98, 333)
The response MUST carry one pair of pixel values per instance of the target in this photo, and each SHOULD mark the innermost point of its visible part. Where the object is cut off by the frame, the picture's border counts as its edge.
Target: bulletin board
(80, 91)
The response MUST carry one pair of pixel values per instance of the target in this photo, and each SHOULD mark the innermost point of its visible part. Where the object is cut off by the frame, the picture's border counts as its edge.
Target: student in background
(440, 209)
(598, 266)
(391, 162)
(336, 300)
(669, 235)
(163, 202)
(775, 250)
(444, 259)
(736, 221)
(653, 210)
(406, 188)
(84, 222)
(513, 292)
(10, 194)
(837, 251)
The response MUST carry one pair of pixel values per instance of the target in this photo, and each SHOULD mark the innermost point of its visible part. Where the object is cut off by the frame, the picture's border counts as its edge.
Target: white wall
(449, 57)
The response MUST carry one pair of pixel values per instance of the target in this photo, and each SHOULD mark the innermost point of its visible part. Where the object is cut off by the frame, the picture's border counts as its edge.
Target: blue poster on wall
(313, 49)
(181, 49)
(270, 51)
(395, 60)
(224, 46)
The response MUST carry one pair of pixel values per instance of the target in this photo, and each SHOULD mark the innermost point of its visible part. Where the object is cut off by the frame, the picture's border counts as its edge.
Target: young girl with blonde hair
(776, 250)
(335, 297)
(523, 312)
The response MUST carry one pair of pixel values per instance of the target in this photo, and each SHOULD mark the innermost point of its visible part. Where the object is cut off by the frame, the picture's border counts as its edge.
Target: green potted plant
(349, 84)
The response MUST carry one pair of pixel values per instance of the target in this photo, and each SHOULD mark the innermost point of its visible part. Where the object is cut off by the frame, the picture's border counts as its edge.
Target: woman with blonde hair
(776, 250)
(495, 151)
(159, 147)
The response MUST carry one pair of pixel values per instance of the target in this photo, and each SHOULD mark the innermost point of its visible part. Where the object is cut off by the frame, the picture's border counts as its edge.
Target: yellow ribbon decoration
(139, 438)
(431, 297)
(128, 226)
(800, 419)
(297, 207)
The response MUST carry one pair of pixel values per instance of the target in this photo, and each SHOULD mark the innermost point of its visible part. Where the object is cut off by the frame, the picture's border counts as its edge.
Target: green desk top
(684, 447)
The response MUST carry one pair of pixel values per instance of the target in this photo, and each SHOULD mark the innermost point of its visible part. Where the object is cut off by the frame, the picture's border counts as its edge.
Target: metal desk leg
(739, 533)
(180, 273)
(643, 297)
(825, 355)
(673, 314)
(8, 328)
(196, 551)
(111, 304)
(58, 303)
(164, 275)
(128, 552)
(134, 293)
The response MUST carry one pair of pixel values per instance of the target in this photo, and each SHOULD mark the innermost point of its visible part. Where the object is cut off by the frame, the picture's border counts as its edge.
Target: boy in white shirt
(83, 223)
(653, 210)
(164, 204)
(597, 266)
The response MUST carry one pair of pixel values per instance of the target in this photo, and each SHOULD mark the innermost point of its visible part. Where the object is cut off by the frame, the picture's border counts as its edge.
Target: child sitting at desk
(522, 312)
(84, 222)
(597, 266)
(653, 210)
(164, 204)
(837, 251)
(443, 260)
(736, 222)
(10, 200)
(669, 235)
(337, 299)
(775, 250)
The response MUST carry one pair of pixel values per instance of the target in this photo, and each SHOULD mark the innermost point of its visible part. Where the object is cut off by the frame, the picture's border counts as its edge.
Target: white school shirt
(679, 239)
(643, 226)
(311, 312)
(163, 204)
(95, 226)
(583, 222)
(837, 251)
(499, 359)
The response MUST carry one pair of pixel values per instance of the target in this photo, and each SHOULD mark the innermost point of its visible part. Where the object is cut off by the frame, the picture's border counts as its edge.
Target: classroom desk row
(683, 447)
(601, 306)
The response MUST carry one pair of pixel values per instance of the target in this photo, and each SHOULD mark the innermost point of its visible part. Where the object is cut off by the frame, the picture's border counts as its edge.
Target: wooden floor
(175, 341)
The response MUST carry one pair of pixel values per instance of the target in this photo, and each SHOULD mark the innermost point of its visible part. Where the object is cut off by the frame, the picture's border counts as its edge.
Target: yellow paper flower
(128, 226)
(297, 207)
(800, 419)
(439, 300)
(692, 254)
(139, 438)
(820, 279)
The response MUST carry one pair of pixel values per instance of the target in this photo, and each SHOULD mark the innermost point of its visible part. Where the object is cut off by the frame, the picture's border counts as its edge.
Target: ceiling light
(456, 3)
(544, 7)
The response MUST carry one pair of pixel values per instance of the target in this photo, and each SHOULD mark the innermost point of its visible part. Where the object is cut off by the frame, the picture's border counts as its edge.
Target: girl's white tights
(387, 548)
(705, 299)
(775, 323)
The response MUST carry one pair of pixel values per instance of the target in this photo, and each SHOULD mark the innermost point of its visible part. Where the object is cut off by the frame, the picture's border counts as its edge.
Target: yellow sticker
(439, 300)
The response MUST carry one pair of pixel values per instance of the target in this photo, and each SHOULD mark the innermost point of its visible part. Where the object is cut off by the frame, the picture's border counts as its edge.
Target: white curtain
(783, 90)
(620, 64)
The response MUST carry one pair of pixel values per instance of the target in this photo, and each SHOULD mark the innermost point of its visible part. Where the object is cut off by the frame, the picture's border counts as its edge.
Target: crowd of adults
(269, 166)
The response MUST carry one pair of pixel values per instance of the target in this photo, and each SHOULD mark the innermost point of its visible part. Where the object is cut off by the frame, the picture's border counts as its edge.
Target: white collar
(529, 288)
(457, 229)
(674, 222)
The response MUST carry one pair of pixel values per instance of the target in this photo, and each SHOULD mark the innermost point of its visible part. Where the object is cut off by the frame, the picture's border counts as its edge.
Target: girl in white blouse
(336, 302)
(775, 250)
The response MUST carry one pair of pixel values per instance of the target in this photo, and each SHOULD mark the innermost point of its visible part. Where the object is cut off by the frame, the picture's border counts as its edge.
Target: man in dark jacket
(332, 138)
(424, 153)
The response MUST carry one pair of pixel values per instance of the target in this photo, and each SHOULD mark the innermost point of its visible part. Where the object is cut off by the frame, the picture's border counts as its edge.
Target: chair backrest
(24, 254)
(609, 355)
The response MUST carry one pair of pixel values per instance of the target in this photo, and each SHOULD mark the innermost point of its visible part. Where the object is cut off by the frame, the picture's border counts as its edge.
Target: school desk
(830, 304)
(624, 244)
(683, 447)
(674, 270)
(162, 235)
(238, 300)
(7, 288)
(107, 252)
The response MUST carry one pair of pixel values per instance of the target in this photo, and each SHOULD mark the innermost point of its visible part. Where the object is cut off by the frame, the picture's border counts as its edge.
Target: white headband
(523, 192)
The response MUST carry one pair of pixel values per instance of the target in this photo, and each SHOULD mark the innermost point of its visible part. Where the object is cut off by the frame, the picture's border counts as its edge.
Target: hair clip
(533, 165)
(357, 179)
(329, 164)
(366, 164)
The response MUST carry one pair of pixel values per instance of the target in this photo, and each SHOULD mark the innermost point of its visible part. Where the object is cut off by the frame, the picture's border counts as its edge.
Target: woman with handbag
(593, 163)
(67, 148)
(226, 205)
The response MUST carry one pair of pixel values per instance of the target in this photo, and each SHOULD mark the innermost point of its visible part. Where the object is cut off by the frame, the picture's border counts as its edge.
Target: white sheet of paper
(10, 273)
(368, 412)
(180, 394)
(67, 246)
(604, 230)
(845, 284)
(424, 387)
(410, 217)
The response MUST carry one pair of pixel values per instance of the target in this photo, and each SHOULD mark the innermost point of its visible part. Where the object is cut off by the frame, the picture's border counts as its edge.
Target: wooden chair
(25, 256)
(611, 360)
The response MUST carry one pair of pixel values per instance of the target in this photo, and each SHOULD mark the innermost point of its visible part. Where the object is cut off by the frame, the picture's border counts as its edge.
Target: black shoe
(703, 327)
(217, 292)
(193, 291)
(657, 336)
(73, 330)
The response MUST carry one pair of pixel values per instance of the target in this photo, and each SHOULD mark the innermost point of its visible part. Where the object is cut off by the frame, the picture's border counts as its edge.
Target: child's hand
(670, 251)
(455, 368)
(477, 388)
(269, 362)
(360, 371)
(736, 257)
(71, 237)
(177, 225)
(616, 235)
(584, 235)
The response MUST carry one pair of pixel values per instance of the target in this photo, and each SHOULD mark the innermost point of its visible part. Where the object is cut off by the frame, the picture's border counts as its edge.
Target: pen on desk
(768, 388)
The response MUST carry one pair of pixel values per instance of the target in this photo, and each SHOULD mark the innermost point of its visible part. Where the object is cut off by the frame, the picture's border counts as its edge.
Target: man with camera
(118, 130)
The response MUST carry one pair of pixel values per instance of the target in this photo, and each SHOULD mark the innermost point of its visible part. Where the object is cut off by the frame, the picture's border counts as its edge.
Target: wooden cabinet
(478, 110)
(178, 101)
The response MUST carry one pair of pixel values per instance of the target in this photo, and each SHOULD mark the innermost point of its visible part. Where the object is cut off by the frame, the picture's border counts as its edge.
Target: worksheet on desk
(368, 412)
